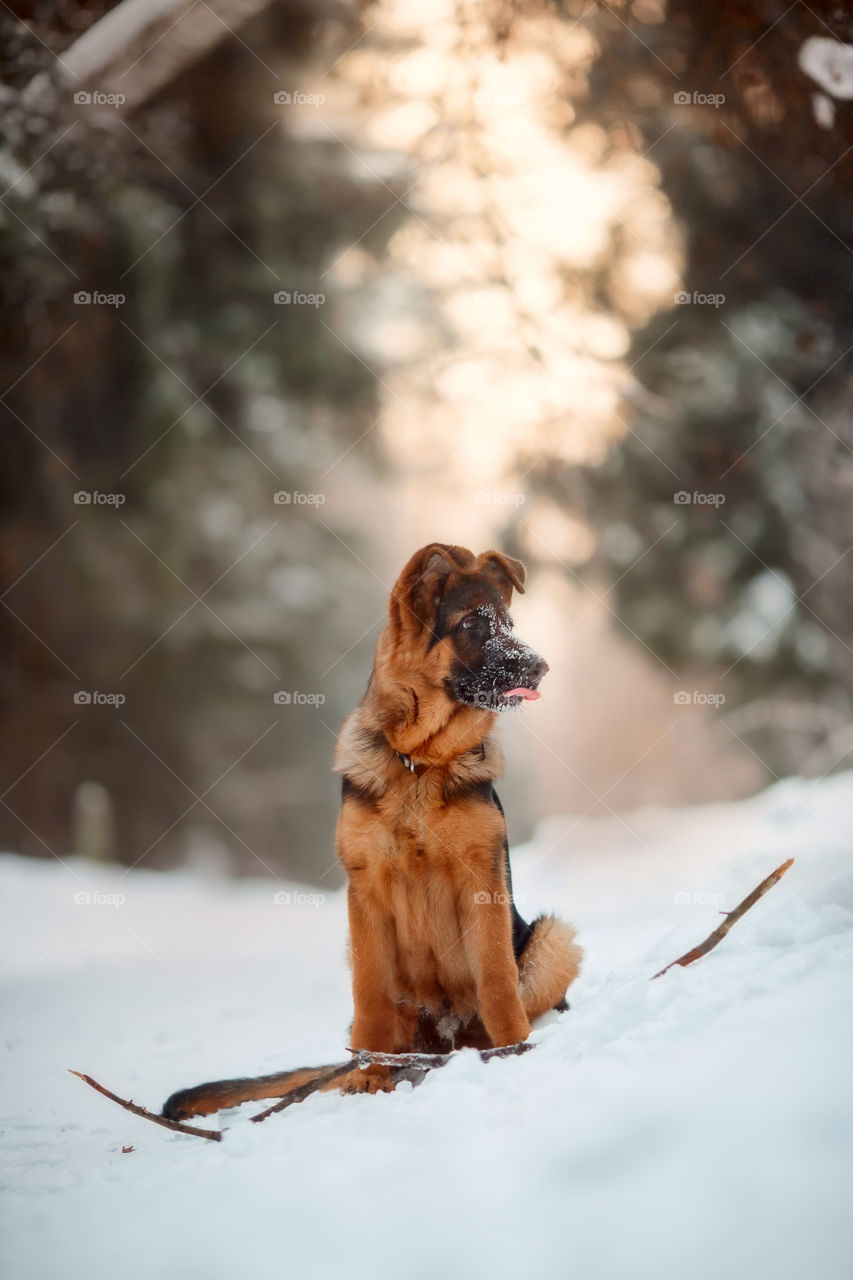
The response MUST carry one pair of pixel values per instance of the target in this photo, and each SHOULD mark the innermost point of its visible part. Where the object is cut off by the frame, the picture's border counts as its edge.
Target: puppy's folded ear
(416, 591)
(503, 572)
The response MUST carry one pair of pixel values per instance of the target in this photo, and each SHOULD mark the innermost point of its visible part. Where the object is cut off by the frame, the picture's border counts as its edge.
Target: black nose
(538, 670)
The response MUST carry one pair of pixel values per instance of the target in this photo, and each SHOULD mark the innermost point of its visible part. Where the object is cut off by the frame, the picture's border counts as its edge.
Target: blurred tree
(743, 390)
(195, 399)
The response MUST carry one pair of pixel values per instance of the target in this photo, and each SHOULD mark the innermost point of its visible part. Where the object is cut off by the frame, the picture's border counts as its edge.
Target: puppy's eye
(473, 623)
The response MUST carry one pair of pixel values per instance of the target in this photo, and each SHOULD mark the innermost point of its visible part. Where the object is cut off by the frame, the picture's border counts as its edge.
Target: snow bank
(694, 1126)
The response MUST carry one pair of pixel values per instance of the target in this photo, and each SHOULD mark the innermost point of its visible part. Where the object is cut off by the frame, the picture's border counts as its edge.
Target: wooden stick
(430, 1060)
(214, 1135)
(408, 1066)
(731, 918)
(326, 1076)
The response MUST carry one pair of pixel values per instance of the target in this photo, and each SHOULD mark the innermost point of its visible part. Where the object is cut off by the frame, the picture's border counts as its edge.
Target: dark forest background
(194, 594)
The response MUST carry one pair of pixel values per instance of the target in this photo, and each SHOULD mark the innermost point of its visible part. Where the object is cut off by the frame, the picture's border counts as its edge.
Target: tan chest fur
(418, 851)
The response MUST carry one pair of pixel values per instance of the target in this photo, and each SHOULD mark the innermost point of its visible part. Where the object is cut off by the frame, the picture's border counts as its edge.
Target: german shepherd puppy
(441, 958)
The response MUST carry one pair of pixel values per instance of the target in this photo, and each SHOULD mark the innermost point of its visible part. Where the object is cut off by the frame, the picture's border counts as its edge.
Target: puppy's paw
(372, 1079)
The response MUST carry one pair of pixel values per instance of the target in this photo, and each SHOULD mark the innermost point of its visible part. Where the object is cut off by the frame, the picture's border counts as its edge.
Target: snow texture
(699, 1125)
(506, 661)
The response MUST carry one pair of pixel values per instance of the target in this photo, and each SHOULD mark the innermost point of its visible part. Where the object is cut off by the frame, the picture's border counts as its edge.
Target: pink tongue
(530, 694)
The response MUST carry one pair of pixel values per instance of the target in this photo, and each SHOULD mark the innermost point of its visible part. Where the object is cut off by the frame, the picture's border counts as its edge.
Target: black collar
(417, 769)
(408, 763)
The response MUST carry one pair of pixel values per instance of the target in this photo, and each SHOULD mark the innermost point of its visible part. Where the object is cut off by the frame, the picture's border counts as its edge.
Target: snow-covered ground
(697, 1126)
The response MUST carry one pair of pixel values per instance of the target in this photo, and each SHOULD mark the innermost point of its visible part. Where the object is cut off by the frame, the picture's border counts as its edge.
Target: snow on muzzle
(512, 669)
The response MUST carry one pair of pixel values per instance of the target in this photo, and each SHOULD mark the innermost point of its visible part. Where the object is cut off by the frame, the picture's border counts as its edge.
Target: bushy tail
(204, 1099)
(549, 964)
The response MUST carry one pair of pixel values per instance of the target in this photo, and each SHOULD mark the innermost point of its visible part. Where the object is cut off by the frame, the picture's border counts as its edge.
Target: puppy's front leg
(487, 939)
(374, 1018)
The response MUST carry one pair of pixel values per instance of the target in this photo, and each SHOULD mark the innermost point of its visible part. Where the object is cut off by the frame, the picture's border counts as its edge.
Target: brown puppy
(440, 956)
(441, 959)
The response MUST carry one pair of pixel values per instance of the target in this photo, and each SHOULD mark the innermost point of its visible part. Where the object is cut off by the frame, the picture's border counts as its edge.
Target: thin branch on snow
(409, 1066)
(326, 1076)
(731, 918)
(414, 1066)
(214, 1135)
(429, 1060)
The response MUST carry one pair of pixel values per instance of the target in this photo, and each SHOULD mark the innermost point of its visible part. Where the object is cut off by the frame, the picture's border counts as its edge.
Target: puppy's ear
(503, 572)
(416, 592)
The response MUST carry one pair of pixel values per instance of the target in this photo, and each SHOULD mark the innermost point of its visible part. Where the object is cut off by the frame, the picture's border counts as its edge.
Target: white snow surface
(699, 1125)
